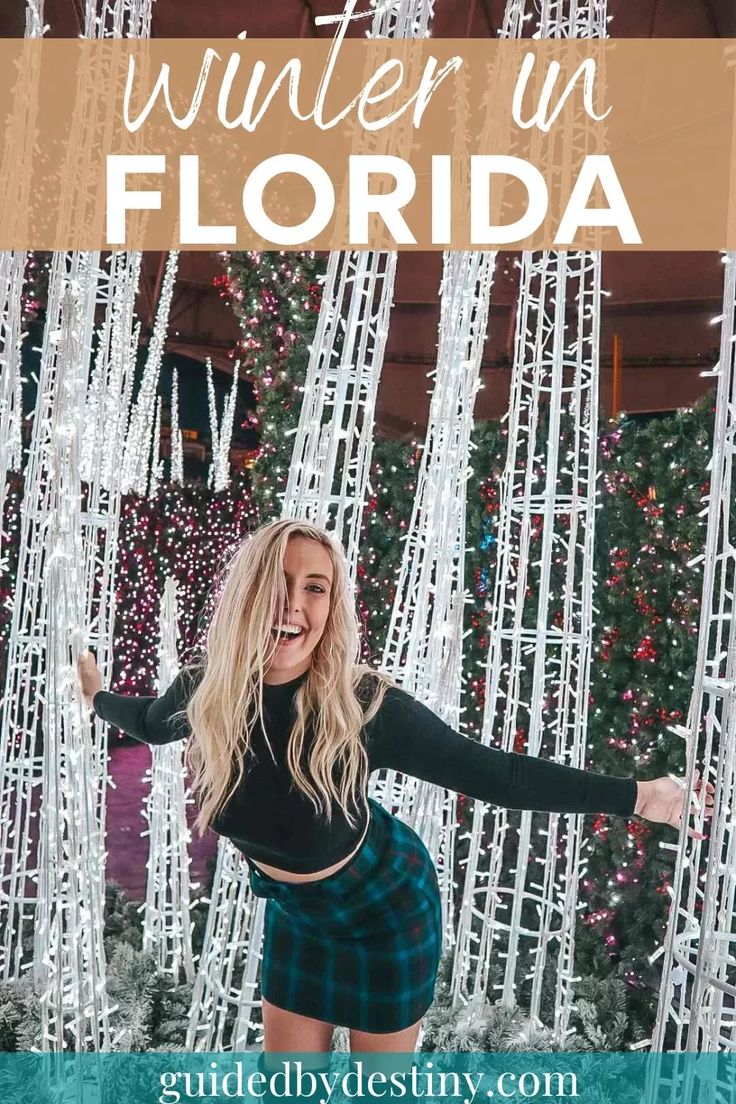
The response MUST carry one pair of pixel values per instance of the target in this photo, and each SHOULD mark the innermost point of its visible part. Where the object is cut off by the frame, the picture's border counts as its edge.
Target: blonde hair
(227, 704)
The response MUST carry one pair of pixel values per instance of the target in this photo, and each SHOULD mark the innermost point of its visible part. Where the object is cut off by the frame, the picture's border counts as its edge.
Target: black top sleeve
(149, 719)
(407, 736)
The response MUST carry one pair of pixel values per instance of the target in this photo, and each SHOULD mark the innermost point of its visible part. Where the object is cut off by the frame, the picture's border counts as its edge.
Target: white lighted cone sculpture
(520, 898)
(118, 18)
(521, 883)
(105, 418)
(38, 701)
(523, 870)
(156, 469)
(330, 465)
(12, 270)
(328, 474)
(69, 959)
(21, 713)
(556, 18)
(423, 649)
(214, 424)
(697, 1006)
(176, 471)
(167, 927)
(34, 19)
(141, 441)
(221, 435)
(328, 481)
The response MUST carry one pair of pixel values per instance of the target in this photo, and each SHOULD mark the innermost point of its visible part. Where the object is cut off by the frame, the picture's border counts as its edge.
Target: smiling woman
(353, 922)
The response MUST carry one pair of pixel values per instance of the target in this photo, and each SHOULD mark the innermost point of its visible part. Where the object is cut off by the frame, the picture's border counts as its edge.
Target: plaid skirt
(361, 947)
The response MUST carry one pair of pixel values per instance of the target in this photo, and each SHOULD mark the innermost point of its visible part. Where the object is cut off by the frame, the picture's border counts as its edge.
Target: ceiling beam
(653, 20)
(185, 300)
(307, 21)
(492, 30)
(78, 10)
(469, 20)
(721, 17)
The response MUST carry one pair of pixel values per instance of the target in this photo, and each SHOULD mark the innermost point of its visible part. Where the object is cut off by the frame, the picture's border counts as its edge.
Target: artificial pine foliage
(276, 296)
(122, 920)
(148, 1012)
(600, 1012)
(598, 1022)
(20, 1015)
(131, 981)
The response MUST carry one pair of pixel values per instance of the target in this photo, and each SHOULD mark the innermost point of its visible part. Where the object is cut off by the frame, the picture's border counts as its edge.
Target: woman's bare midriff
(290, 876)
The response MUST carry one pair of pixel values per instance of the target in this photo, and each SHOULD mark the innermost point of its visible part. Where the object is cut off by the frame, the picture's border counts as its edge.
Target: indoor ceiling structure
(660, 305)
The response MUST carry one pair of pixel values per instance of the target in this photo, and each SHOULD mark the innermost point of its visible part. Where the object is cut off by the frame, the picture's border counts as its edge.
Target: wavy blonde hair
(331, 703)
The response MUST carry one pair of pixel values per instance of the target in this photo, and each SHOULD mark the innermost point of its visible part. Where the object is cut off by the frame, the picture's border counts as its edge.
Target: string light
(167, 926)
(423, 648)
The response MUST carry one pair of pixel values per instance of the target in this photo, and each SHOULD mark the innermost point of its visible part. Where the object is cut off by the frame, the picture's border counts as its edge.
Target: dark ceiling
(660, 304)
(452, 18)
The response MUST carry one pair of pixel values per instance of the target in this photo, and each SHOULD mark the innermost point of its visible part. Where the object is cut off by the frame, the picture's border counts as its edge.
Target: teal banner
(175, 1077)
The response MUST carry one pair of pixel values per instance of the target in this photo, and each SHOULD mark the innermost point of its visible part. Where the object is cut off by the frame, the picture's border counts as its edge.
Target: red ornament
(645, 650)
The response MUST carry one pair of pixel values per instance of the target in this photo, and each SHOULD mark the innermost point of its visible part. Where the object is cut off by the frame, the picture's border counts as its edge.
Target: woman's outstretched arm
(407, 736)
(153, 720)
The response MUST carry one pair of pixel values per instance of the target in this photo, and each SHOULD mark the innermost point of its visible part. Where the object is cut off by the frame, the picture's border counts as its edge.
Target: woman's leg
(288, 1031)
(368, 1042)
(363, 1043)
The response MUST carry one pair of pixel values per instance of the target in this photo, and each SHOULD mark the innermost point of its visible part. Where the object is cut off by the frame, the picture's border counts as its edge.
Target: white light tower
(69, 958)
(141, 442)
(697, 1006)
(19, 143)
(423, 649)
(176, 470)
(328, 475)
(523, 869)
(64, 594)
(221, 435)
(12, 270)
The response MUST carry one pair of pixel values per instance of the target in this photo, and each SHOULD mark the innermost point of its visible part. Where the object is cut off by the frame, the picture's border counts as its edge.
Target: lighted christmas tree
(650, 529)
(276, 296)
(183, 531)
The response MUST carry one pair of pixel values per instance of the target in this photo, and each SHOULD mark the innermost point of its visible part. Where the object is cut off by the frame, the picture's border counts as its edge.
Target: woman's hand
(663, 801)
(90, 679)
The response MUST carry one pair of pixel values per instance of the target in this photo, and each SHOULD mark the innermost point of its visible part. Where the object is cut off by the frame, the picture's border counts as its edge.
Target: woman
(284, 727)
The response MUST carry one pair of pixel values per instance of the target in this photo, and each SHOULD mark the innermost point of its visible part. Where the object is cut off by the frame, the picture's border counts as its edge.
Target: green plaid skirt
(359, 948)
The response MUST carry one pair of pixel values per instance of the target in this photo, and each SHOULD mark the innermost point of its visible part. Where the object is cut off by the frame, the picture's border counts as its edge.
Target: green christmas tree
(276, 297)
(650, 530)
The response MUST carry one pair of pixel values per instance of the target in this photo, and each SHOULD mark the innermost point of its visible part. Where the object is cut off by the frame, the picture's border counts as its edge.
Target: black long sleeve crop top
(272, 821)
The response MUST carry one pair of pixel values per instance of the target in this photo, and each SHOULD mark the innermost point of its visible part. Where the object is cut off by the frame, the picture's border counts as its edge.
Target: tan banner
(619, 144)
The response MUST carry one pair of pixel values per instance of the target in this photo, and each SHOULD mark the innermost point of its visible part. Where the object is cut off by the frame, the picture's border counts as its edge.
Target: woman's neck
(278, 680)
